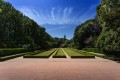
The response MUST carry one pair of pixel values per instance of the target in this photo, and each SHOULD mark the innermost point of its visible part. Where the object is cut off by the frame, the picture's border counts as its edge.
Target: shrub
(96, 50)
(11, 51)
(115, 54)
(12, 56)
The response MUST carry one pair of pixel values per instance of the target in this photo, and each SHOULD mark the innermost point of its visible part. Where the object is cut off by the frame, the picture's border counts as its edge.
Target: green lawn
(45, 54)
(80, 54)
(88, 53)
(34, 52)
(59, 54)
(83, 52)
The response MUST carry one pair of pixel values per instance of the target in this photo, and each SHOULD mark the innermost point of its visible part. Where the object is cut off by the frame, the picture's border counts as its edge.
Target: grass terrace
(59, 54)
(45, 54)
(80, 54)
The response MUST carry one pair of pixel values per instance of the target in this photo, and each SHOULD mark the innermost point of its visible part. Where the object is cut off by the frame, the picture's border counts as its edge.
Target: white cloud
(58, 16)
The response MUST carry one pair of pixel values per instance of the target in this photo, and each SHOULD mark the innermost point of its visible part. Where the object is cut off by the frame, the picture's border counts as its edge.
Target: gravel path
(59, 69)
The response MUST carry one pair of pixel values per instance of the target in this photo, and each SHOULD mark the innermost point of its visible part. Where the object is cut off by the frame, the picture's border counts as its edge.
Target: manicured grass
(83, 52)
(105, 56)
(59, 54)
(19, 54)
(45, 54)
(34, 52)
(74, 54)
(87, 53)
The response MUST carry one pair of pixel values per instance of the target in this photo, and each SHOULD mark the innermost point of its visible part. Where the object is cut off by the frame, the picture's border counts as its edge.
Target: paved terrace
(59, 69)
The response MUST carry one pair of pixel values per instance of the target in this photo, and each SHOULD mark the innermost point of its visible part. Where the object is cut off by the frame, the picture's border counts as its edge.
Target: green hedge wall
(11, 51)
(12, 56)
(96, 50)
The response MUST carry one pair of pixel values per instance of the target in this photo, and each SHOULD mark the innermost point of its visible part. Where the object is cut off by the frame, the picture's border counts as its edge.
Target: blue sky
(59, 17)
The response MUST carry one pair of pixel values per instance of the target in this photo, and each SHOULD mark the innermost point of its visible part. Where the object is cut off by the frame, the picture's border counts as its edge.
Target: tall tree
(17, 30)
(109, 17)
(86, 34)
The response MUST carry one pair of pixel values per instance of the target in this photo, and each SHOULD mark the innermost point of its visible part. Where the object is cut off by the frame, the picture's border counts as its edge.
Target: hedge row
(11, 51)
(82, 56)
(112, 55)
(115, 53)
(12, 56)
(96, 50)
(57, 56)
(34, 52)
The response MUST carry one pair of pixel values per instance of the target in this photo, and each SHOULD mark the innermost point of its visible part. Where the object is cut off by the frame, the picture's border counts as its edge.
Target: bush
(12, 56)
(96, 50)
(112, 53)
(11, 51)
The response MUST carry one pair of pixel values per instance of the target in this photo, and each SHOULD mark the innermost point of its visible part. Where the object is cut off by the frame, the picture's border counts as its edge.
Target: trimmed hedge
(96, 50)
(11, 51)
(36, 56)
(12, 56)
(115, 53)
(57, 56)
(112, 55)
(82, 56)
(34, 52)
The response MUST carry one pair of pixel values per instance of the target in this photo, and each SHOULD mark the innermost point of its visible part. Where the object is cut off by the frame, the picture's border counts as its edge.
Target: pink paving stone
(59, 69)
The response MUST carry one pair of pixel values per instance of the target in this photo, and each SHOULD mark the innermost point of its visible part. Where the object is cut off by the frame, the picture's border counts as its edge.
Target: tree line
(103, 32)
(18, 30)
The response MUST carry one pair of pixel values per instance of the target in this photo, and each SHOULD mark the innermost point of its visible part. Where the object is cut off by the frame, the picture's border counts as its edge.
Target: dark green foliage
(109, 18)
(107, 24)
(12, 56)
(58, 42)
(86, 34)
(12, 51)
(96, 50)
(82, 56)
(17, 30)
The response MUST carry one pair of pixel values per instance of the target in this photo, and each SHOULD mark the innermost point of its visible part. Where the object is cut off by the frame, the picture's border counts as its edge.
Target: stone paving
(59, 69)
